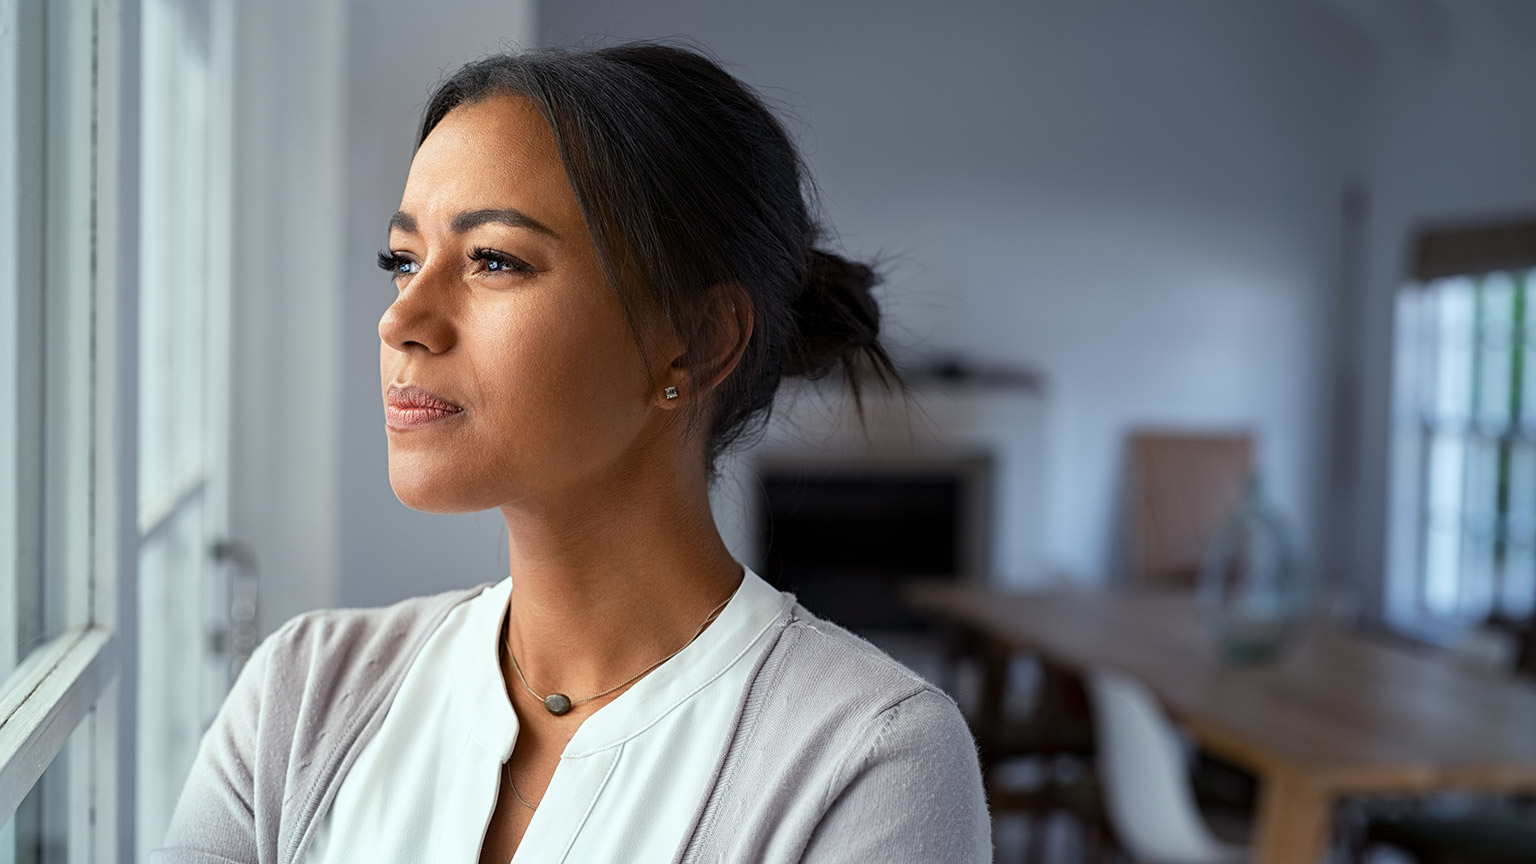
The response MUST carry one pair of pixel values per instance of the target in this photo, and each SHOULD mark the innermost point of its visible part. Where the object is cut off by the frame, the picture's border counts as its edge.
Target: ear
(711, 351)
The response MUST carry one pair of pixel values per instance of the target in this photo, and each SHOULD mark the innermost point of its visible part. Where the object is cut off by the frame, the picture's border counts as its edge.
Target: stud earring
(670, 392)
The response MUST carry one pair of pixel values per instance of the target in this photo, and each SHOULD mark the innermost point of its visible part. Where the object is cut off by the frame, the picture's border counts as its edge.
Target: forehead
(496, 152)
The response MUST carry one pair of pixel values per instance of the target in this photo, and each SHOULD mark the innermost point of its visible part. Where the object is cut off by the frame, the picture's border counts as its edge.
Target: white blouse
(627, 786)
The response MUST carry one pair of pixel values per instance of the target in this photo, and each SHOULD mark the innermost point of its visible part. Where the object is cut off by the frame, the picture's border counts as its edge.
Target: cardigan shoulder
(833, 678)
(843, 754)
(328, 653)
(327, 671)
(291, 726)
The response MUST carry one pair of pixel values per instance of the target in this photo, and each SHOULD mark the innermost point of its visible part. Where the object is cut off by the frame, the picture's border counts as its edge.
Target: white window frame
(83, 678)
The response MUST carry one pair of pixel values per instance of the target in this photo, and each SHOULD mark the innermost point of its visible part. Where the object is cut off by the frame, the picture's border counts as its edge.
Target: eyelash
(393, 262)
(506, 263)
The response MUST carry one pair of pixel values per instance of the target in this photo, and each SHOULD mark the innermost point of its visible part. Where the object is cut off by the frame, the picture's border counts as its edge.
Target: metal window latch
(240, 638)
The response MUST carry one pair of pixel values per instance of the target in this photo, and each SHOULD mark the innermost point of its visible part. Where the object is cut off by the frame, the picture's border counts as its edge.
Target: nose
(420, 319)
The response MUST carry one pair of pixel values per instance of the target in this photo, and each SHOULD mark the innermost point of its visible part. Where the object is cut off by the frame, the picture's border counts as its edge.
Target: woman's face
(509, 369)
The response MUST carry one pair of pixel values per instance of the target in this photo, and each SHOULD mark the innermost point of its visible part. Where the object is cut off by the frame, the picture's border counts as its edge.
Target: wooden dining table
(1338, 714)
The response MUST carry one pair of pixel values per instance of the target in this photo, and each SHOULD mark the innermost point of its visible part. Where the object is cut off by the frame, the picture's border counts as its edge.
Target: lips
(412, 408)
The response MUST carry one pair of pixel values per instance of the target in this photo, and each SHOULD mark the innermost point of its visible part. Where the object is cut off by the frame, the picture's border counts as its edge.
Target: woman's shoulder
(309, 693)
(843, 754)
(374, 633)
(843, 694)
(850, 698)
(323, 674)
(331, 669)
(852, 675)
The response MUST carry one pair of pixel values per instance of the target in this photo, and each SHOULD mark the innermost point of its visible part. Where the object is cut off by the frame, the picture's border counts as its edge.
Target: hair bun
(837, 322)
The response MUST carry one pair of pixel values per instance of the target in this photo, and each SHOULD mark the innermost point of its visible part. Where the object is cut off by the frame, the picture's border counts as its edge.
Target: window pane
(174, 264)
(1527, 286)
(1495, 308)
(1447, 464)
(1452, 306)
(1481, 526)
(184, 661)
(181, 681)
(1518, 594)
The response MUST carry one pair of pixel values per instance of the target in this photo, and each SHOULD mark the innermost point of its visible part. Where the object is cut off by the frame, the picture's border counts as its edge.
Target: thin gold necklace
(559, 703)
(507, 769)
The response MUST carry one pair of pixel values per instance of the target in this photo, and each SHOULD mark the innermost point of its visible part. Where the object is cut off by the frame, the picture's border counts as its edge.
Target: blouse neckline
(485, 710)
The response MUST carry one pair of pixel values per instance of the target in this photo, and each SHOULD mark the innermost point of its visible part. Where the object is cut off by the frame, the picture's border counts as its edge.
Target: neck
(610, 582)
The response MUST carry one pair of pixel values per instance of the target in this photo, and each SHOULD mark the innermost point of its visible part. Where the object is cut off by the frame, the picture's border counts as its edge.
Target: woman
(604, 266)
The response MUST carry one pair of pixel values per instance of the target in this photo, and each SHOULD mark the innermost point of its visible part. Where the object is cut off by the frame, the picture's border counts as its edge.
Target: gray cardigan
(839, 753)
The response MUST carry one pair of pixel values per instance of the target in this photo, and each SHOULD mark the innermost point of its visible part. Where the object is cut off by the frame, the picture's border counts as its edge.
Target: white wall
(285, 501)
(1140, 199)
(1451, 137)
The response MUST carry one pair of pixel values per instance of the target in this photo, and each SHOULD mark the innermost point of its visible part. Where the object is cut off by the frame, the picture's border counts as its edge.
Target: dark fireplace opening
(844, 538)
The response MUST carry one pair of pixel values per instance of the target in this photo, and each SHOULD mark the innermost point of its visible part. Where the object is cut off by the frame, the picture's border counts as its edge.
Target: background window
(1478, 411)
(1466, 376)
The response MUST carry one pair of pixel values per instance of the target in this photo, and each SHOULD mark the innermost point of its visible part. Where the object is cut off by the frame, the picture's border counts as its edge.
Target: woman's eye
(500, 262)
(397, 265)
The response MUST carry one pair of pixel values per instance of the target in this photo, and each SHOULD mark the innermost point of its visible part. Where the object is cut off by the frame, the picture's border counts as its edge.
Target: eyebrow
(471, 219)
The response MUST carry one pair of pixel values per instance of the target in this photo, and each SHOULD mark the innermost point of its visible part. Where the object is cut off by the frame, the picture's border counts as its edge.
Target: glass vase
(1253, 593)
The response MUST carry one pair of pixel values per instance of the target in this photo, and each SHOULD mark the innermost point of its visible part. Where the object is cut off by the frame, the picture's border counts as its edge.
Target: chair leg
(1034, 844)
(1093, 845)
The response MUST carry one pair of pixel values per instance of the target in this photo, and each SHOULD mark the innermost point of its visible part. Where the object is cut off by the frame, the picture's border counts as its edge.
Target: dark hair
(689, 185)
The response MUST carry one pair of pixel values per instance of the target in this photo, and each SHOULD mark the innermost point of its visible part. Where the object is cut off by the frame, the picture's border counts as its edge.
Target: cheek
(569, 386)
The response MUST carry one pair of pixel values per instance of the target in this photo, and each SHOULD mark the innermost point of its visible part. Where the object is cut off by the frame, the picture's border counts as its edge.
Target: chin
(430, 491)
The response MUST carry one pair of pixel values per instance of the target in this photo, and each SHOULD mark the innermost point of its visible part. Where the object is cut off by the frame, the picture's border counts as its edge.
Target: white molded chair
(1145, 778)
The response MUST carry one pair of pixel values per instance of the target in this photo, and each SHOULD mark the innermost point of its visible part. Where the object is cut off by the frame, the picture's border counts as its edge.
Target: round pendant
(557, 703)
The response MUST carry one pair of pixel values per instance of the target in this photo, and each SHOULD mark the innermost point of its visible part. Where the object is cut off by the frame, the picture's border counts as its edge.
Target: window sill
(45, 701)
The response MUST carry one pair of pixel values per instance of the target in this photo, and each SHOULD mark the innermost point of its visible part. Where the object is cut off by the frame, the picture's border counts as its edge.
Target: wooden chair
(1181, 488)
(1056, 737)
(1522, 636)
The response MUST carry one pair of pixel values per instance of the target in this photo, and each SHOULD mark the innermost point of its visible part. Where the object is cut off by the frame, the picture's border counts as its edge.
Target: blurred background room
(1210, 310)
